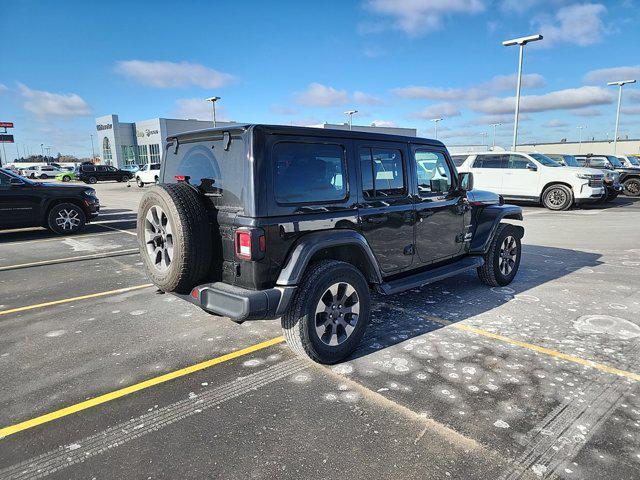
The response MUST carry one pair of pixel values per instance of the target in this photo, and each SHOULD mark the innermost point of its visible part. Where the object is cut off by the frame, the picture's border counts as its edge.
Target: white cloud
(3, 88)
(170, 74)
(445, 109)
(570, 98)
(497, 84)
(604, 75)
(631, 110)
(46, 104)
(383, 123)
(420, 17)
(555, 123)
(458, 134)
(366, 98)
(199, 109)
(521, 6)
(586, 112)
(318, 95)
(580, 24)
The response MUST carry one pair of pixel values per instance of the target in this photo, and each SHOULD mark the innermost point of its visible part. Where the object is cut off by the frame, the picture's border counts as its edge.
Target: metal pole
(580, 139)
(213, 105)
(435, 126)
(93, 151)
(615, 138)
(42, 148)
(350, 121)
(518, 86)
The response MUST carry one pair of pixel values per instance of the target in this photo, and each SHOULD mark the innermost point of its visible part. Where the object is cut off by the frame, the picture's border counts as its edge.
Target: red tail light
(250, 243)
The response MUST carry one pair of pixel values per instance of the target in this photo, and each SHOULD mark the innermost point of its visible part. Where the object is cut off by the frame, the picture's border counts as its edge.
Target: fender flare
(307, 246)
(487, 222)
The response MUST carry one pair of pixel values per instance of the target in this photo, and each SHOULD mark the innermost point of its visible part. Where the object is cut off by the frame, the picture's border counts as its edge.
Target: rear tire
(307, 326)
(502, 260)
(139, 182)
(92, 180)
(66, 178)
(175, 238)
(66, 218)
(631, 187)
(557, 197)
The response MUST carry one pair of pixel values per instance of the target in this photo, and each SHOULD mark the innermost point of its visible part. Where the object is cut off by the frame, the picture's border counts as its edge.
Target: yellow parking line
(74, 299)
(70, 259)
(107, 397)
(550, 352)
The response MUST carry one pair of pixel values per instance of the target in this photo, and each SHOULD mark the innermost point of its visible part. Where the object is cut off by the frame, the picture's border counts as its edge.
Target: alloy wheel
(158, 237)
(68, 219)
(508, 255)
(557, 197)
(337, 314)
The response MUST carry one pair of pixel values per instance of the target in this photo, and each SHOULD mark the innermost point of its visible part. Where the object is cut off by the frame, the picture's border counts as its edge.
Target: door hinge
(460, 238)
(409, 250)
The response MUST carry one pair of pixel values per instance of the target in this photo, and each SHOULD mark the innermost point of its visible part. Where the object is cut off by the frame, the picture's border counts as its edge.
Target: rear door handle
(376, 219)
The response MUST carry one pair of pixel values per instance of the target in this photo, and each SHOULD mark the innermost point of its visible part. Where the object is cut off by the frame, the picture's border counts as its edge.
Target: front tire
(66, 178)
(139, 182)
(502, 260)
(66, 218)
(329, 312)
(631, 187)
(174, 234)
(93, 180)
(557, 197)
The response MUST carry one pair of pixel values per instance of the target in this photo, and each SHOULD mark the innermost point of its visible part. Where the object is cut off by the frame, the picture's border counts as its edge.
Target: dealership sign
(6, 124)
(147, 132)
(4, 138)
(104, 126)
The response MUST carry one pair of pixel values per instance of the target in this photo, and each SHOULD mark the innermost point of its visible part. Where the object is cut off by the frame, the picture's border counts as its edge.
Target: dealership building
(122, 143)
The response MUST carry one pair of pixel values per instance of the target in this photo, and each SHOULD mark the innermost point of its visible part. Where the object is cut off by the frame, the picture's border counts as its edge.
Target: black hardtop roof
(303, 131)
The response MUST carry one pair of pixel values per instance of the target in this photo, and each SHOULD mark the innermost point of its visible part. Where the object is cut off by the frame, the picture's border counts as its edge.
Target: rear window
(309, 173)
(212, 168)
(490, 161)
(88, 168)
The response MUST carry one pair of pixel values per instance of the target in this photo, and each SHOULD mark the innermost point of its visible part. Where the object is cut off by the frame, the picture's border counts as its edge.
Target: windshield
(15, 175)
(570, 161)
(633, 161)
(615, 161)
(544, 160)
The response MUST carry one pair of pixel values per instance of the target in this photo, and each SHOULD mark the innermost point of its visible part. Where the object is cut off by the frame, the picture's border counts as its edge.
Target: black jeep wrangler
(264, 222)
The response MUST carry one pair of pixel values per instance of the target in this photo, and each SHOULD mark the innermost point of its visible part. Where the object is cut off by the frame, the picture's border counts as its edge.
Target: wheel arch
(556, 182)
(57, 201)
(343, 245)
(486, 223)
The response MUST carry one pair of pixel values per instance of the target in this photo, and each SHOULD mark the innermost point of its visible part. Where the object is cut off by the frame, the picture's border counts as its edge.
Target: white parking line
(56, 239)
(119, 230)
(116, 253)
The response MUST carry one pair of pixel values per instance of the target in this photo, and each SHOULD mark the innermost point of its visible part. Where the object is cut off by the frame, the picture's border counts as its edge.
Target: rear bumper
(241, 304)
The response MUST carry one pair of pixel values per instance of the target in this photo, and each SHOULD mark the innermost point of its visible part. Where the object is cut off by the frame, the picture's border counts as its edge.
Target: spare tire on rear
(174, 235)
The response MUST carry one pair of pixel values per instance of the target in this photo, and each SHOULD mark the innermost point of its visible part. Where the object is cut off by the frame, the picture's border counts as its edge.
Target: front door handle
(376, 220)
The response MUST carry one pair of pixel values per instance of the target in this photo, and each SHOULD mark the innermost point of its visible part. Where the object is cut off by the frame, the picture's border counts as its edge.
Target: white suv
(534, 177)
(149, 173)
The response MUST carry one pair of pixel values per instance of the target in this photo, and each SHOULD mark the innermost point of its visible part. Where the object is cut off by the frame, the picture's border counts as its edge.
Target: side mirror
(532, 167)
(465, 180)
(15, 182)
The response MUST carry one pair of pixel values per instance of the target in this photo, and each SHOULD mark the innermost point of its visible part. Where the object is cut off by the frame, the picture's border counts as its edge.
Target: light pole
(580, 127)
(619, 85)
(93, 150)
(213, 101)
(350, 114)
(484, 137)
(522, 41)
(435, 126)
(42, 148)
(495, 125)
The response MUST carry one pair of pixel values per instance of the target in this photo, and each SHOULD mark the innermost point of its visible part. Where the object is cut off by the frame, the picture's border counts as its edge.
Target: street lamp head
(522, 40)
(351, 112)
(212, 99)
(436, 119)
(621, 83)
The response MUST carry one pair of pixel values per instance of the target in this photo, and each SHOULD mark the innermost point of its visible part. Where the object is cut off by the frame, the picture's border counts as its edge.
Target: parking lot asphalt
(102, 377)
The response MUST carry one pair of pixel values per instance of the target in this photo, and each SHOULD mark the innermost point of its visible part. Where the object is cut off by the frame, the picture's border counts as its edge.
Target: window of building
(143, 154)
(433, 172)
(129, 154)
(309, 172)
(382, 172)
(154, 153)
(106, 150)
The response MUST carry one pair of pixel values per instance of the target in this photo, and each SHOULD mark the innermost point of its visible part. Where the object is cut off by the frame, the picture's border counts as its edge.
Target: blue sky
(398, 62)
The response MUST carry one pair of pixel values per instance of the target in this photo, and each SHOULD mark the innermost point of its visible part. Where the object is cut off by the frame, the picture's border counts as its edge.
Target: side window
(111, 169)
(581, 161)
(382, 172)
(490, 161)
(155, 167)
(101, 168)
(433, 172)
(88, 168)
(458, 160)
(309, 173)
(518, 162)
(597, 162)
(5, 180)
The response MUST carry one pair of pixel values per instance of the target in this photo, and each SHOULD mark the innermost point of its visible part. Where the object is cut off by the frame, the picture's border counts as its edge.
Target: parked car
(629, 176)
(149, 173)
(534, 177)
(629, 161)
(61, 208)
(131, 168)
(263, 222)
(40, 171)
(611, 177)
(67, 176)
(90, 173)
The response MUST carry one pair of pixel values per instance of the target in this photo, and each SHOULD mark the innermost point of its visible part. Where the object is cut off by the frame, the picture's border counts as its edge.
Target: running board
(431, 276)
